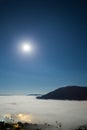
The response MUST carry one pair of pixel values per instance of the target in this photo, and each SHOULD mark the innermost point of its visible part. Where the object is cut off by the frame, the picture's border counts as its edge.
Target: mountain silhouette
(67, 93)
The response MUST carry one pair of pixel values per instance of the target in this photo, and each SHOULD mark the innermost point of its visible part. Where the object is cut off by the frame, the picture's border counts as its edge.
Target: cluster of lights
(24, 117)
(18, 117)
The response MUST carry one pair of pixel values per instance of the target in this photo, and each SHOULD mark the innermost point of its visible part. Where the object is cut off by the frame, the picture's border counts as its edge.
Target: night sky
(57, 30)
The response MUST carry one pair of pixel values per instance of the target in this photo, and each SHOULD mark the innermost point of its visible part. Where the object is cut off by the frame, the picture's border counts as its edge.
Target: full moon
(26, 47)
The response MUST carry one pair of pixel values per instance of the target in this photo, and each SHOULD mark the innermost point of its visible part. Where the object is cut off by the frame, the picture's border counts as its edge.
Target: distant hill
(67, 93)
(33, 94)
(6, 95)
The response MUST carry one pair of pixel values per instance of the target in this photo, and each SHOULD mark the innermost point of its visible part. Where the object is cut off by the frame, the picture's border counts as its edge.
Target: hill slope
(67, 93)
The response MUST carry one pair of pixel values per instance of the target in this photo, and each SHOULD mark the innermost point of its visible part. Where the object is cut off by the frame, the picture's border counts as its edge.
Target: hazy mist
(69, 113)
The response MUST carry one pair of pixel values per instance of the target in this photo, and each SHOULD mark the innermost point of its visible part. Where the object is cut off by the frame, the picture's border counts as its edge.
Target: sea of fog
(29, 109)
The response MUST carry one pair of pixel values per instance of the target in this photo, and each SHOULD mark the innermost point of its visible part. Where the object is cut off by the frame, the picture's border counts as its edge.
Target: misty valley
(28, 109)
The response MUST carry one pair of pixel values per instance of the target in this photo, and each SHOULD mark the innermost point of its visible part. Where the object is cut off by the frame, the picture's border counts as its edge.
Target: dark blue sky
(58, 29)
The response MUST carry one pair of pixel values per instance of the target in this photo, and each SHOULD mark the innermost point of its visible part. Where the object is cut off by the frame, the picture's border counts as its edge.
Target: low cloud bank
(29, 109)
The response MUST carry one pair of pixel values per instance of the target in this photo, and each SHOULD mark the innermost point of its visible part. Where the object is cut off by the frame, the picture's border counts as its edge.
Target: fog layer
(28, 108)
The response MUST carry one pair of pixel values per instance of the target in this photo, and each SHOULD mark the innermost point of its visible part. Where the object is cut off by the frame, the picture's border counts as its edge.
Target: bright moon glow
(26, 47)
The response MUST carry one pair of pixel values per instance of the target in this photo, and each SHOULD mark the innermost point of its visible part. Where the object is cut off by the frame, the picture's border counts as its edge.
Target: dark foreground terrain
(27, 126)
